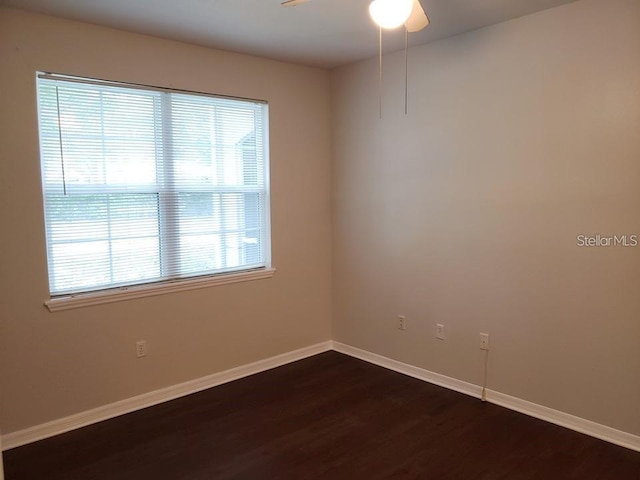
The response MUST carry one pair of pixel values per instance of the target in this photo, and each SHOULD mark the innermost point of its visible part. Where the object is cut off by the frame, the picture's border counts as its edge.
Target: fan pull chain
(406, 70)
(380, 72)
(64, 181)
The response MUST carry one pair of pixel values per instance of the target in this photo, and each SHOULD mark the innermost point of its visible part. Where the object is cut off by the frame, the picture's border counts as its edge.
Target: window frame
(115, 293)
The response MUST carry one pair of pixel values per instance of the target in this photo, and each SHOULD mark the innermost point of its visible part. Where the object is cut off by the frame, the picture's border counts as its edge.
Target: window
(145, 185)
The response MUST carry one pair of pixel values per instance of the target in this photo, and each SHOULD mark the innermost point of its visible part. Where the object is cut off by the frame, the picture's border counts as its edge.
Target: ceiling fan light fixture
(390, 13)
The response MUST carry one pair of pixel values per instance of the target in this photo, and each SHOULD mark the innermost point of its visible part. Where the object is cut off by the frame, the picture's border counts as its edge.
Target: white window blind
(150, 185)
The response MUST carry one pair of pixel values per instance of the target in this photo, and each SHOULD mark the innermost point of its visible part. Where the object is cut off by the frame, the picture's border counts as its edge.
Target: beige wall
(56, 364)
(465, 212)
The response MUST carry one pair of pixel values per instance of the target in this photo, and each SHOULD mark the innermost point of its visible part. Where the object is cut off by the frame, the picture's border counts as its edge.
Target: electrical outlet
(440, 331)
(402, 322)
(484, 341)
(141, 348)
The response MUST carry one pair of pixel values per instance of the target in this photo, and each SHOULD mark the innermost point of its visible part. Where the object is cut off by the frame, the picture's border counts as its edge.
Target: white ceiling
(324, 33)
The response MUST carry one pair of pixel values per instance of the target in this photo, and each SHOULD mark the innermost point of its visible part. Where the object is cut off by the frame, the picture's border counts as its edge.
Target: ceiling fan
(389, 14)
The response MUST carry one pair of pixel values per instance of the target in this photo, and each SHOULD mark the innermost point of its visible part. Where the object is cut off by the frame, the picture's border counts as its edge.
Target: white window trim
(81, 300)
(127, 292)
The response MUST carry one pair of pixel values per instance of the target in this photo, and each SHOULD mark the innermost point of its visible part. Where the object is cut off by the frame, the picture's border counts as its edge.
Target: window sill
(141, 291)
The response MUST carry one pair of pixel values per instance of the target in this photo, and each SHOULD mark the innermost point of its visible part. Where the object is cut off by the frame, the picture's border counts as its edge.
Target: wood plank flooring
(325, 417)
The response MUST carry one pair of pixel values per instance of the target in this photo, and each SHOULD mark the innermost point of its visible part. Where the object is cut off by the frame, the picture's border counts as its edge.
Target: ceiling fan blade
(293, 3)
(418, 18)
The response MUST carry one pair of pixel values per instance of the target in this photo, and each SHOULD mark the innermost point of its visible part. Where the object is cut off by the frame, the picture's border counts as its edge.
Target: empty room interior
(320, 239)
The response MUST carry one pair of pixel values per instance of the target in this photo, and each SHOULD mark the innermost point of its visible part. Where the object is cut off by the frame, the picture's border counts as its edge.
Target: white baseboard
(410, 370)
(56, 427)
(556, 417)
(593, 429)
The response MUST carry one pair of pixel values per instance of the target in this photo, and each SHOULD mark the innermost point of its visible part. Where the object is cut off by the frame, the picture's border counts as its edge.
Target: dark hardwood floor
(325, 417)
